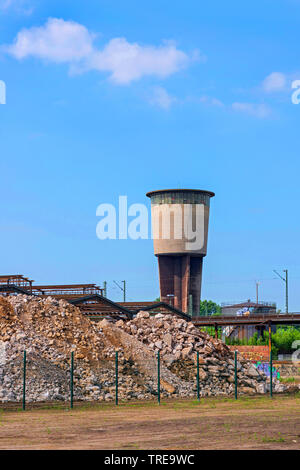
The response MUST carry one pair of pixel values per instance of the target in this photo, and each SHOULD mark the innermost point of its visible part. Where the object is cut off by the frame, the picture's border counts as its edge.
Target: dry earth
(215, 423)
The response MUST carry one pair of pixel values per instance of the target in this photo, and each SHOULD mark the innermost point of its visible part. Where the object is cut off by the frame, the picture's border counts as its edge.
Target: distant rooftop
(248, 303)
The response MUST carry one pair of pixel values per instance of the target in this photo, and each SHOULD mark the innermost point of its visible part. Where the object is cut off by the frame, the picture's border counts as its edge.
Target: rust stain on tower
(180, 227)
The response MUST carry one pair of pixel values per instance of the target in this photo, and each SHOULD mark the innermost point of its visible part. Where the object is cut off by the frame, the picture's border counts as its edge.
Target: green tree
(284, 338)
(208, 307)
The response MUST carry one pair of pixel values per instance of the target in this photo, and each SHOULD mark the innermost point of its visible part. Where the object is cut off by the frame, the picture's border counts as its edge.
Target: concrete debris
(49, 329)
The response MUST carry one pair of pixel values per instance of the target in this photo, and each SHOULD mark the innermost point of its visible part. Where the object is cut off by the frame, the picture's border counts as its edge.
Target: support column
(177, 282)
(196, 264)
(166, 277)
(216, 331)
(181, 276)
(185, 285)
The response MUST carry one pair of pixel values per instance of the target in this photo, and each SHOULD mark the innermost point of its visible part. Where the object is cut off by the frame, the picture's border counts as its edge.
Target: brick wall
(253, 353)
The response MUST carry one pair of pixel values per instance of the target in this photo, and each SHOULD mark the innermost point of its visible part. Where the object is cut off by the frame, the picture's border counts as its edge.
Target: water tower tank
(180, 220)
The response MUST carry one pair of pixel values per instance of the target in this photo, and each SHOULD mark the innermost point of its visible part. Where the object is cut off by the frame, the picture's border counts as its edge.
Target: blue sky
(109, 98)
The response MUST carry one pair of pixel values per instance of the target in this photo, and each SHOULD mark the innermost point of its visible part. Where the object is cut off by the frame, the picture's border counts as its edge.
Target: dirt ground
(249, 423)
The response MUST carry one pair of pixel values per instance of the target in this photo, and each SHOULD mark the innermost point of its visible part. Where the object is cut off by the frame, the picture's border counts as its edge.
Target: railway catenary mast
(180, 220)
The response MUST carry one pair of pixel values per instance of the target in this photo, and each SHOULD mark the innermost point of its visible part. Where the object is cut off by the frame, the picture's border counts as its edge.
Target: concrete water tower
(179, 228)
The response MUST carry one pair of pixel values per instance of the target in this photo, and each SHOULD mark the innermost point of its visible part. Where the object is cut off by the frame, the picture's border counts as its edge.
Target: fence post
(158, 377)
(235, 375)
(117, 379)
(270, 338)
(271, 374)
(72, 378)
(24, 382)
(198, 384)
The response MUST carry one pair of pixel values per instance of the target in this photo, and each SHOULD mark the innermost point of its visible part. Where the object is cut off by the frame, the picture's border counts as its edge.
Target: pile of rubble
(174, 336)
(179, 341)
(49, 330)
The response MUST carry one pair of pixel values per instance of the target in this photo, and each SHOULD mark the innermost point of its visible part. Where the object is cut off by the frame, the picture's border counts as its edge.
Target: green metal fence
(158, 378)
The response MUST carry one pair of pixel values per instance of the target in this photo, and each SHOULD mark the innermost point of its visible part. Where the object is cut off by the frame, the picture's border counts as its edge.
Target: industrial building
(177, 216)
(247, 309)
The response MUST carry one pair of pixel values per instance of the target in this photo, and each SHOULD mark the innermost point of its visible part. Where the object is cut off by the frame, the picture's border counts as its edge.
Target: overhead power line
(123, 289)
(285, 279)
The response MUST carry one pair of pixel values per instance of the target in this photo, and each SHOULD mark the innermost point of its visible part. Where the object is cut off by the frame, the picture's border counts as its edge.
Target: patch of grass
(229, 400)
(151, 404)
(186, 404)
(227, 426)
(286, 380)
(279, 438)
(130, 445)
(54, 406)
(243, 401)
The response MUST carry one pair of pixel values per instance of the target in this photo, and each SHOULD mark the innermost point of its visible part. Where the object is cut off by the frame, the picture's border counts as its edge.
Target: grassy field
(220, 423)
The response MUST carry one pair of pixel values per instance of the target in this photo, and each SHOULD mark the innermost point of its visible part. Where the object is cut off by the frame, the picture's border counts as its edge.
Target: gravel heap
(49, 329)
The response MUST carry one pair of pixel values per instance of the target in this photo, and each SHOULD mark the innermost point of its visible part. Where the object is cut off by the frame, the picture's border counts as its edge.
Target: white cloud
(57, 41)
(276, 81)
(261, 111)
(162, 98)
(69, 42)
(130, 61)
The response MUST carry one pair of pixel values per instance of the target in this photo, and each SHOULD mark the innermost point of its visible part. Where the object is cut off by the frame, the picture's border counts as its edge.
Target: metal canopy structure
(17, 280)
(89, 299)
(154, 308)
(12, 289)
(59, 291)
(67, 291)
(98, 307)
